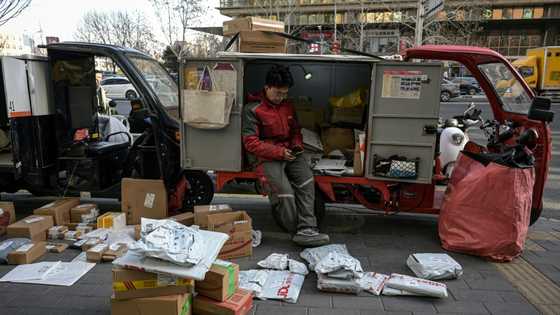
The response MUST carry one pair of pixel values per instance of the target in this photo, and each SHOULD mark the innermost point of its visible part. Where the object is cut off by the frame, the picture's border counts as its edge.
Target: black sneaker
(310, 237)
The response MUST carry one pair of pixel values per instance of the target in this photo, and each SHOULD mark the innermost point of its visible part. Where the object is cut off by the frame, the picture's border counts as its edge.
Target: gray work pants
(291, 192)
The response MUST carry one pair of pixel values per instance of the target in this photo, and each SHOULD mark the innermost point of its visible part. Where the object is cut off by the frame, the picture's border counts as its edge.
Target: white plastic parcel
(335, 261)
(417, 285)
(314, 255)
(275, 261)
(434, 266)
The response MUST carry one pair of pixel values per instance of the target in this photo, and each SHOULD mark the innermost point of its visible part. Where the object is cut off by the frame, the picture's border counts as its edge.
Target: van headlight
(457, 138)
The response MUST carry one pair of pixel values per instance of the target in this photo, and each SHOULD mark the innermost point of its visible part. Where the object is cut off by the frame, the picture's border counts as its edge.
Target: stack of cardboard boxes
(254, 36)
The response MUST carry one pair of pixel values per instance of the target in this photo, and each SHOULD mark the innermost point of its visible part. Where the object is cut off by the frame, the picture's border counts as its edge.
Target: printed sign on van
(402, 84)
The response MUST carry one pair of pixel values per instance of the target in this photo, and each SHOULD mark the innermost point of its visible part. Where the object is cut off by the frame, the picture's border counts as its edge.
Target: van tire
(444, 96)
(130, 95)
(320, 211)
(200, 190)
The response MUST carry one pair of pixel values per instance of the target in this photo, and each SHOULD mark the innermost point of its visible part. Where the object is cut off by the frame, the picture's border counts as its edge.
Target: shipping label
(25, 248)
(402, 84)
(33, 220)
(149, 200)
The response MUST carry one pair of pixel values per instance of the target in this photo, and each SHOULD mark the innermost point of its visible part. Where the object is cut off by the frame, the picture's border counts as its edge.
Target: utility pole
(334, 21)
(419, 23)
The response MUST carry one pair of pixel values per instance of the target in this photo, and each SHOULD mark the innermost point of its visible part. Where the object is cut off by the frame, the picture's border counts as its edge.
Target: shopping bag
(486, 209)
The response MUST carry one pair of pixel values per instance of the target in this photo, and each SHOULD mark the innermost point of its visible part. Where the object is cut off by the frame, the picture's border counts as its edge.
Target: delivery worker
(272, 137)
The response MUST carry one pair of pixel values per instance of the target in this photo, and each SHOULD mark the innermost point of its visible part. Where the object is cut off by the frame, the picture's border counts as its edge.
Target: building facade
(386, 27)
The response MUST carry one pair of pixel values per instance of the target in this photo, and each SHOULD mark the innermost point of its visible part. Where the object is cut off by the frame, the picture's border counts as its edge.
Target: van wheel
(199, 191)
(319, 209)
(445, 96)
(130, 94)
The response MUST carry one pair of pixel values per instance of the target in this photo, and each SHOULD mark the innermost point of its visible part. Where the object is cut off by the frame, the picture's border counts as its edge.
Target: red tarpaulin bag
(486, 209)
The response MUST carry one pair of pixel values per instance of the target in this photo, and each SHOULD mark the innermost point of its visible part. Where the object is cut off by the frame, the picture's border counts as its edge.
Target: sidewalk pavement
(381, 243)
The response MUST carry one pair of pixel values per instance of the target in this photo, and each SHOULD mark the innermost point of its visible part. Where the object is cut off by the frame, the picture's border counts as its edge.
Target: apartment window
(507, 13)
(339, 18)
(527, 13)
(497, 14)
(538, 12)
(517, 13)
(303, 19)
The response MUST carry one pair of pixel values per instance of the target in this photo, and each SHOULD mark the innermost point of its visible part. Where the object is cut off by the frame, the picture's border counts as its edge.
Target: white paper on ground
(373, 282)
(314, 255)
(82, 257)
(213, 241)
(282, 285)
(253, 280)
(29, 272)
(60, 274)
(417, 285)
(434, 266)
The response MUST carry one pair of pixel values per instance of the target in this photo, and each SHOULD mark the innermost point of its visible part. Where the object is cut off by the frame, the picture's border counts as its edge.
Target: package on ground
(170, 241)
(230, 222)
(33, 227)
(372, 282)
(178, 304)
(89, 243)
(314, 255)
(396, 292)
(84, 228)
(95, 254)
(131, 284)
(260, 42)
(272, 284)
(253, 280)
(9, 245)
(7, 216)
(235, 26)
(337, 139)
(434, 266)
(417, 285)
(72, 235)
(240, 303)
(334, 262)
(59, 210)
(48, 273)
(201, 213)
(115, 251)
(274, 261)
(221, 281)
(143, 198)
(57, 232)
(328, 284)
(114, 220)
(27, 253)
(74, 226)
(186, 218)
(84, 213)
(238, 245)
(57, 248)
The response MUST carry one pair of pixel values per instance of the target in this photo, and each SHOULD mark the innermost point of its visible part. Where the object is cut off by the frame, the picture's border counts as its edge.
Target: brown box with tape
(179, 304)
(59, 210)
(143, 198)
(27, 254)
(84, 209)
(220, 282)
(95, 254)
(201, 213)
(186, 218)
(34, 227)
(240, 303)
(238, 226)
(260, 42)
(235, 26)
(132, 284)
(7, 216)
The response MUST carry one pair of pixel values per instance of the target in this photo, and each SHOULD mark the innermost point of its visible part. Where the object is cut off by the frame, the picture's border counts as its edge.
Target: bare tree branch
(10, 9)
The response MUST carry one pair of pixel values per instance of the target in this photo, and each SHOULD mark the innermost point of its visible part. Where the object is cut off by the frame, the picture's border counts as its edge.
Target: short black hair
(279, 76)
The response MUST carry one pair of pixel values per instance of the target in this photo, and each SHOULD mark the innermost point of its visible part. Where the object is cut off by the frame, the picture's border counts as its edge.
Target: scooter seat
(105, 147)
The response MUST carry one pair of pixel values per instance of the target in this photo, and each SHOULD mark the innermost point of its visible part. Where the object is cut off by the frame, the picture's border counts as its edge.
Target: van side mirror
(540, 109)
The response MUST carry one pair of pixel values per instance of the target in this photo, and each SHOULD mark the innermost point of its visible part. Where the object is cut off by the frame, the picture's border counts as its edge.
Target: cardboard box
(95, 254)
(59, 210)
(7, 216)
(201, 213)
(220, 281)
(230, 222)
(27, 253)
(259, 42)
(238, 245)
(310, 117)
(56, 247)
(57, 232)
(90, 243)
(186, 218)
(137, 232)
(337, 139)
(347, 115)
(114, 220)
(115, 251)
(72, 235)
(143, 198)
(235, 26)
(74, 226)
(33, 227)
(84, 209)
(239, 304)
(180, 304)
(132, 284)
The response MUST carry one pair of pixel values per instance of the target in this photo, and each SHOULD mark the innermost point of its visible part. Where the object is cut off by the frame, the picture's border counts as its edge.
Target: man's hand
(288, 155)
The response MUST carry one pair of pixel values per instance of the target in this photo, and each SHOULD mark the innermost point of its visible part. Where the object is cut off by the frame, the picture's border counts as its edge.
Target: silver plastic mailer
(373, 282)
(335, 261)
(253, 280)
(393, 292)
(297, 267)
(434, 266)
(275, 261)
(170, 241)
(327, 284)
(272, 284)
(314, 255)
(417, 285)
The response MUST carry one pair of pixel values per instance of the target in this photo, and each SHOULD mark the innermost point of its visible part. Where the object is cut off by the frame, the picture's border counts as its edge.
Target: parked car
(468, 85)
(449, 90)
(119, 88)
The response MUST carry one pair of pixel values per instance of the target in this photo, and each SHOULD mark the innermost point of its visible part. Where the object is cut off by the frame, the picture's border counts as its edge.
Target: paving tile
(515, 297)
(553, 246)
(476, 295)
(457, 284)
(490, 284)
(312, 300)
(371, 312)
(409, 303)
(279, 310)
(333, 311)
(463, 307)
(358, 303)
(511, 308)
(32, 300)
(80, 303)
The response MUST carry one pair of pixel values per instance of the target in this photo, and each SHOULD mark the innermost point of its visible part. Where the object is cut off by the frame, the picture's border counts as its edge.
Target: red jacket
(269, 129)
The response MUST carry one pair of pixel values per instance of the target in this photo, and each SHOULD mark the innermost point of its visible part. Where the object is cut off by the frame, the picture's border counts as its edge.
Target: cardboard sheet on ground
(214, 242)
(53, 273)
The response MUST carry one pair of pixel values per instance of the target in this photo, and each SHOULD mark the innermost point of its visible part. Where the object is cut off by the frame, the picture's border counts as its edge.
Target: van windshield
(160, 81)
(511, 92)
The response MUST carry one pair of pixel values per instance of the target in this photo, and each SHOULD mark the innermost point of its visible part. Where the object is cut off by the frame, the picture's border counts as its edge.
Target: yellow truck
(541, 69)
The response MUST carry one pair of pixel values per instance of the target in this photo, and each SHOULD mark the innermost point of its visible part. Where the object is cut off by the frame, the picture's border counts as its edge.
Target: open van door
(403, 119)
(212, 149)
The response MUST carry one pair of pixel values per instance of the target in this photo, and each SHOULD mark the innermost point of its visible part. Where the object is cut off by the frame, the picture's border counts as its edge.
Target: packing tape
(121, 286)
(187, 306)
